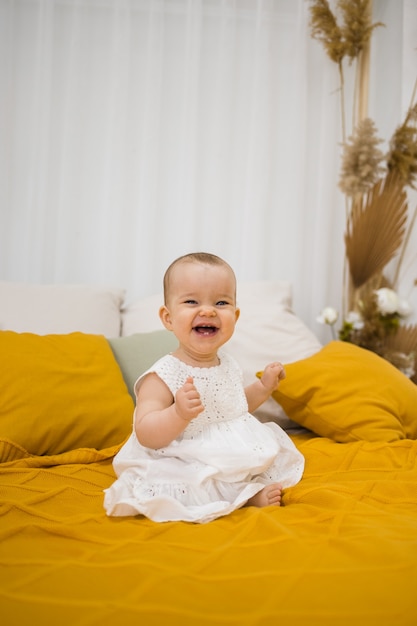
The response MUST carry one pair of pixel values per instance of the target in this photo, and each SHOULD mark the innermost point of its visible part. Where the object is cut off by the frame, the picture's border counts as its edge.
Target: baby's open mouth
(205, 330)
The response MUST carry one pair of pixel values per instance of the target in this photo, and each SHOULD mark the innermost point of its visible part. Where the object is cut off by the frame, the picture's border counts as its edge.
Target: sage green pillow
(136, 353)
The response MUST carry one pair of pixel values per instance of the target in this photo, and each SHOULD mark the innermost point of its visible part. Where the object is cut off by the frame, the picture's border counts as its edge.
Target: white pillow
(60, 309)
(142, 316)
(266, 331)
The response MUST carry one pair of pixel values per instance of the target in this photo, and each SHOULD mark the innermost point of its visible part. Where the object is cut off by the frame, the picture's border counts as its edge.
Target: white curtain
(133, 131)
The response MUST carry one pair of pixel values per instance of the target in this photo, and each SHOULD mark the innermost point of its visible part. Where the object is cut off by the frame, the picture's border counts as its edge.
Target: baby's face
(201, 307)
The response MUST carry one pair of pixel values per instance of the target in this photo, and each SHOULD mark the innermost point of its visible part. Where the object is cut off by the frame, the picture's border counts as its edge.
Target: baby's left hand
(272, 374)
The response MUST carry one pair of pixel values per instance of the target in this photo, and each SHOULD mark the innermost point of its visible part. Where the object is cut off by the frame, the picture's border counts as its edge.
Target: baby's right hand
(187, 401)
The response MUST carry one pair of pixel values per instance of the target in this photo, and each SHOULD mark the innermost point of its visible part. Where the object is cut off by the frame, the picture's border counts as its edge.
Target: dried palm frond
(402, 157)
(404, 342)
(357, 29)
(409, 231)
(375, 229)
(361, 162)
(324, 28)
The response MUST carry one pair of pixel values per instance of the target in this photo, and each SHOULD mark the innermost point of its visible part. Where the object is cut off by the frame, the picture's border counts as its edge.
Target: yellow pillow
(61, 392)
(348, 393)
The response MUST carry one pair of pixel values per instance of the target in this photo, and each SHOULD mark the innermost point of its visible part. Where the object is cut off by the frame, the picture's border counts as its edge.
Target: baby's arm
(261, 389)
(159, 419)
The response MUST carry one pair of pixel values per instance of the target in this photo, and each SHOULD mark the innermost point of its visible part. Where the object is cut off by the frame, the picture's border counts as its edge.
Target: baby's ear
(165, 317)
(237, 314)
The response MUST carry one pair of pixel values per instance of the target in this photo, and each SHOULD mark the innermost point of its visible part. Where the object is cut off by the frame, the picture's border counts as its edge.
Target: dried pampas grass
(349, 39)
(324, 28)
(361, 162)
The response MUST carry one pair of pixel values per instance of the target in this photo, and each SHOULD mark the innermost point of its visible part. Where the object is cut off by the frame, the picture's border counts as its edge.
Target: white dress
(223, 457)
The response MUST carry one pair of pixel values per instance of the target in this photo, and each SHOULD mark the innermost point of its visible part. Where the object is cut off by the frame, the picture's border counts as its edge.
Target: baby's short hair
(205, 258)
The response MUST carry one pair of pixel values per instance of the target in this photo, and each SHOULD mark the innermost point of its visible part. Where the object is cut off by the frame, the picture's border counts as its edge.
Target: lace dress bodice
(220, 388)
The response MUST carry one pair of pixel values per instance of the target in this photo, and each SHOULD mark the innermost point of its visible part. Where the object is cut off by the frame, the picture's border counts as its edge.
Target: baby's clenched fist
(187, 401)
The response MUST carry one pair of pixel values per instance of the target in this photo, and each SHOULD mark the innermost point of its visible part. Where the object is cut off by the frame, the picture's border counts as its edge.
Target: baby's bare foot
(268, 496)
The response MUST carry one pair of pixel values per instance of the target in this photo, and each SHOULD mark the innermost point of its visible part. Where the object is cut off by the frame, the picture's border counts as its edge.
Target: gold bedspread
(342, 551)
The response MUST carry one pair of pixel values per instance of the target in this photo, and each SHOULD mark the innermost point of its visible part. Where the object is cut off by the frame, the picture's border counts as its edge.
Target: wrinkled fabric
(342, 550)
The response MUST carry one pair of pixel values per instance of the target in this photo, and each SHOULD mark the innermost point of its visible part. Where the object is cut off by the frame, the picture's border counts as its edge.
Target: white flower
(404, 308)
(328, 315)
(355, 319)
(387, 301)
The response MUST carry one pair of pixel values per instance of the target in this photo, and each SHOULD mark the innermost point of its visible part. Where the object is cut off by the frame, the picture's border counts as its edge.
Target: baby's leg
(269, 495)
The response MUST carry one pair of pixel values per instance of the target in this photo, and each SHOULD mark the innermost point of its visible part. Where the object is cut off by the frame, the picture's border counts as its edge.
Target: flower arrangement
(378, 220)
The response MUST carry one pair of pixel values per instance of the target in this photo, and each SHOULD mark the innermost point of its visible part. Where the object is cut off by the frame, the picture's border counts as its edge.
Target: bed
(341, 551)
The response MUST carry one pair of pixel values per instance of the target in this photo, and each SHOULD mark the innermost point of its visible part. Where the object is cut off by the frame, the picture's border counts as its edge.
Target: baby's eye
(222, 303)
(190, 302)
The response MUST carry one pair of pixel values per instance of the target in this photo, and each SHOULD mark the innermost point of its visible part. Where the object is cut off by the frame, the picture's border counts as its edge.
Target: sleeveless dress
(222, 458)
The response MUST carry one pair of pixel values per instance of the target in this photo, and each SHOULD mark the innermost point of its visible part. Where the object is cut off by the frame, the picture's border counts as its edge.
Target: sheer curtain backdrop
(133, 131)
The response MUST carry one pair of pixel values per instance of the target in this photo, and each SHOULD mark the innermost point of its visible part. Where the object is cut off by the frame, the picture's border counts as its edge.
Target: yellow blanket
(342, 551)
